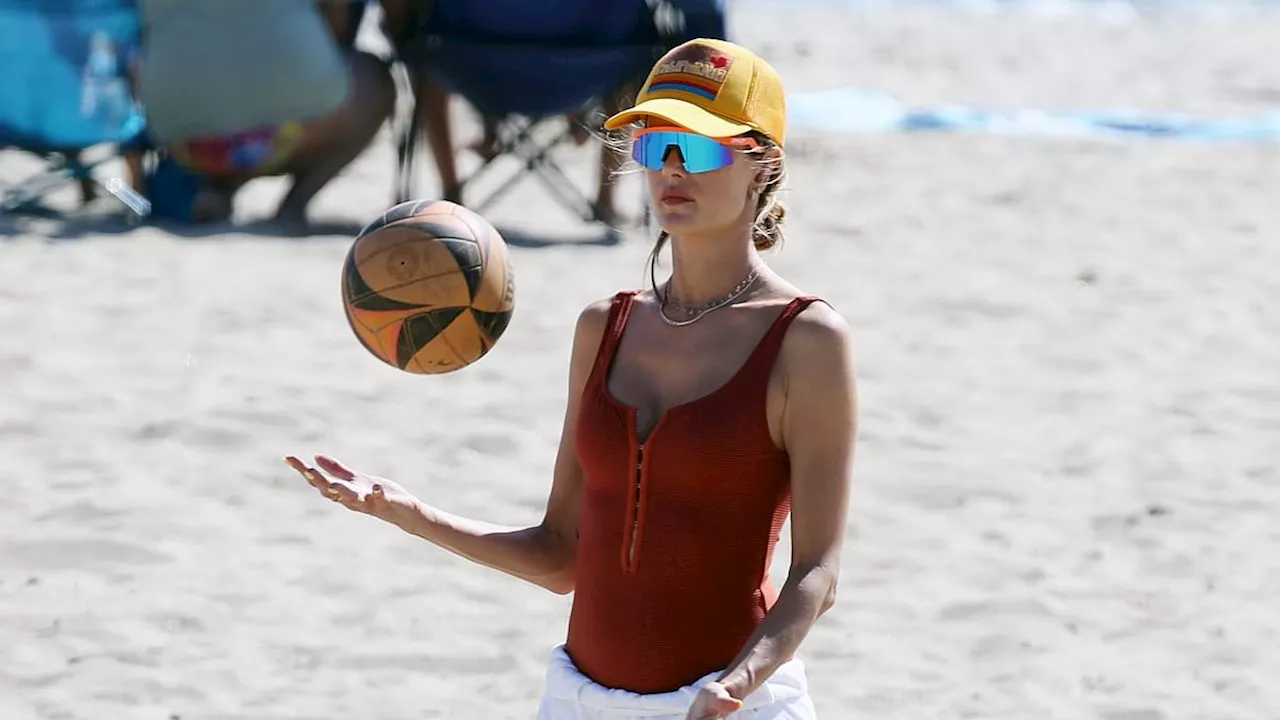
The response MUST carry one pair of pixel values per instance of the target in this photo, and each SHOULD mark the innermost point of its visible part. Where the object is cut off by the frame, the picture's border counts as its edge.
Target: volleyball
(428, 287)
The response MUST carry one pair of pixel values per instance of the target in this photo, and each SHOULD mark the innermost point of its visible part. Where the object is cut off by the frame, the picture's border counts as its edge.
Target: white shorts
(570, 695)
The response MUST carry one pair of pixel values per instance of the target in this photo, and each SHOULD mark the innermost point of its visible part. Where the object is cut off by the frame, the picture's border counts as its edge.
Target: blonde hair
(766, 230)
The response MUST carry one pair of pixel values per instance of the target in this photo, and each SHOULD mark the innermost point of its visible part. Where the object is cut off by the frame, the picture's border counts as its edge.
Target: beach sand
(1066, 487)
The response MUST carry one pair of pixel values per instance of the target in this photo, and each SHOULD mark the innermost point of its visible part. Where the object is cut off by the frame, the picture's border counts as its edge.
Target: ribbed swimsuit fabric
(676, 534)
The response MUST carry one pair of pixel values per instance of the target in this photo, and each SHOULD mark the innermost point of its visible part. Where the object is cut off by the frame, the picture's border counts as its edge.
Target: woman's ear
(770, 167)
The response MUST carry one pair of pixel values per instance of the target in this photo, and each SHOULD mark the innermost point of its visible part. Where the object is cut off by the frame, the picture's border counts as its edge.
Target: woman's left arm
(819, 427)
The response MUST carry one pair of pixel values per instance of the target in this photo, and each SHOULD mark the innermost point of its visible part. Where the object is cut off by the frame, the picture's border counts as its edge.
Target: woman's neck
(705, 270)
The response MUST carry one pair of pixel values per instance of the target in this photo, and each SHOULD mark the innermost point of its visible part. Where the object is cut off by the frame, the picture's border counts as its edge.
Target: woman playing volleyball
(700, 413)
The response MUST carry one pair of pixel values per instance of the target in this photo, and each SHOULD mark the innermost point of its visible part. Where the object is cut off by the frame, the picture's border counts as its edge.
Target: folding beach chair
(64, 90)
(523, 64)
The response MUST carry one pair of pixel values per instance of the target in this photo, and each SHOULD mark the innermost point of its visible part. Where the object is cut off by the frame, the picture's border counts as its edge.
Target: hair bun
(768, 229)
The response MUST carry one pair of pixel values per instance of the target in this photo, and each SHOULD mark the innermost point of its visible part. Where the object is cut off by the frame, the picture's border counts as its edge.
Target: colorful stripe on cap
(695, 69)
(681, 82)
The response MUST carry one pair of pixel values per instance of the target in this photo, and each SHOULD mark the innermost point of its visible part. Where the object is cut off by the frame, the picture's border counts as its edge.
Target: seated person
(240, 89)
(400, 19)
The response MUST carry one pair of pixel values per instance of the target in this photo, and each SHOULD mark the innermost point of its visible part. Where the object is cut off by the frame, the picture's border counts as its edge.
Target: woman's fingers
(343, 494)
(312, 476)
(316, 478)
(334, 490)
(338, 487)
(335, 468)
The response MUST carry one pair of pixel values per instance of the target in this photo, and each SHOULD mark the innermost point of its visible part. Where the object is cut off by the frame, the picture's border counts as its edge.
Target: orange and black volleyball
(428, 287)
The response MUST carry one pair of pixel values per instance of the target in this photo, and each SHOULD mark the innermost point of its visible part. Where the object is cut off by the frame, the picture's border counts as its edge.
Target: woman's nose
(673, 163)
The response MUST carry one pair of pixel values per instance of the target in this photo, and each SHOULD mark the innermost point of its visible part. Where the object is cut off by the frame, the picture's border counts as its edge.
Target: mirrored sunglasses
(698, 153)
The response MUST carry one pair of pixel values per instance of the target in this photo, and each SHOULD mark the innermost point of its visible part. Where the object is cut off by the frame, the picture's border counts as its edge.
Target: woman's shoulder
(816, 320)
(595, 316)
(818, 312)
(597, 310)
(818, 336)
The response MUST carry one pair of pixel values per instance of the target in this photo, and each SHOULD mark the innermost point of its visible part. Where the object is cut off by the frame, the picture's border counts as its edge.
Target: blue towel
(65, 81)
(865, 110)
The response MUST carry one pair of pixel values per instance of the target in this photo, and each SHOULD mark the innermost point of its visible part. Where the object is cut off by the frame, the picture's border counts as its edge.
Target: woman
(699, 413)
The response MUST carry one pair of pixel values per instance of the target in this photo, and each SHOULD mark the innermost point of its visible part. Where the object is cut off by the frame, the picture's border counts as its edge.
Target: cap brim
(679, 112)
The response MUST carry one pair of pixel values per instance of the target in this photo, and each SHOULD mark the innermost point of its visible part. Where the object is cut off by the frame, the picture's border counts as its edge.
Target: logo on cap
(694, 69)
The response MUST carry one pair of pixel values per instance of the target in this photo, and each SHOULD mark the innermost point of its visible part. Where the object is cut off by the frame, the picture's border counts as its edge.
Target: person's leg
(487, 146)
(433, 121)
(88, 190)
(401, 21)
(133, 168)
(330, 143)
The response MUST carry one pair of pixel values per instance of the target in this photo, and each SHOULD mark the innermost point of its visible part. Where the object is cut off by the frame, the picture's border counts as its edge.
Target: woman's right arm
(544, 554)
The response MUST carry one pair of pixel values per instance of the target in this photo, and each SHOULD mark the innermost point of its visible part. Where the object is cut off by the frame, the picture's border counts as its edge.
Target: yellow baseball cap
(714, 88)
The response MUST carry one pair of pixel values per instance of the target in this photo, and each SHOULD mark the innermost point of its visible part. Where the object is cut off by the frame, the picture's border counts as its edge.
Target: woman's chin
(677, 219)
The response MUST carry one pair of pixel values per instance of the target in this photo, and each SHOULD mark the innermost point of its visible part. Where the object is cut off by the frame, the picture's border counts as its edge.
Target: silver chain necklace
(698, 314)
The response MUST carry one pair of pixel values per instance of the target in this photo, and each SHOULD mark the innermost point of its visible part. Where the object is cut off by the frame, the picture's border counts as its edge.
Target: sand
(1066, 483)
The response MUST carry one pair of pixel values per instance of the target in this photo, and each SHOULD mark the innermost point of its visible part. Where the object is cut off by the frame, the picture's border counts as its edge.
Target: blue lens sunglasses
(699, 153)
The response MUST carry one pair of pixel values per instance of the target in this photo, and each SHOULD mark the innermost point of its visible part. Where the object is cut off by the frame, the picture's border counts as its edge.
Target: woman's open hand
(370, 495)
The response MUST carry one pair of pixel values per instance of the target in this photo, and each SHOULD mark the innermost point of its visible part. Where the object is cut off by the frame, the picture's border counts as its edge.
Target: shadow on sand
(53, 225)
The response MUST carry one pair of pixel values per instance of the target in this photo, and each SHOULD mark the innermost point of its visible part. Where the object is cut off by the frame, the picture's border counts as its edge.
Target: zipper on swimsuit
(635, 510)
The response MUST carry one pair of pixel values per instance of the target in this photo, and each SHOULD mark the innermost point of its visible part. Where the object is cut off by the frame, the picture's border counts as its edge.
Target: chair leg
(89, 182)
(65, 167)
(83, 175)
(29, 192)
(535, 156)
(88, 190)
(517, 137)
(406, 147)
(514, 135)
(405, 152)
(556, 181)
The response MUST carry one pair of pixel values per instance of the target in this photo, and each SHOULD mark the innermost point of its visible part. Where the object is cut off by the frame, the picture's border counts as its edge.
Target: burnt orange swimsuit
(676, 534)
